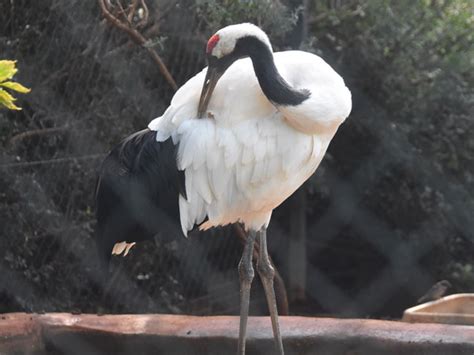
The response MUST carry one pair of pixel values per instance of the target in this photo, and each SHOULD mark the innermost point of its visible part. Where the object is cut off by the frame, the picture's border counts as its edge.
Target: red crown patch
(212, 43)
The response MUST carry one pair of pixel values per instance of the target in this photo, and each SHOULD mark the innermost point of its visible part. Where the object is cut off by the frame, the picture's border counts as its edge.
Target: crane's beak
(212, 77)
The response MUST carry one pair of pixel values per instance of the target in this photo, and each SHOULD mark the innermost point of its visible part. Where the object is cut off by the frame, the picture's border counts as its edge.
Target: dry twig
(35, 133)
(127, 25)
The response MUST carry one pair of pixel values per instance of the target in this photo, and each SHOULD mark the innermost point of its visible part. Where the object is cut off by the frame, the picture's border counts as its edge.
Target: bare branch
(133, 8)
(123, 13)
(146, 13)
(137, 37)
(34, 133)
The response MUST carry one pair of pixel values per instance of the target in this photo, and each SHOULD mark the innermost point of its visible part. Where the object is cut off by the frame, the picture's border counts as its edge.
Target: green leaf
(6, 100)
(7, 69)
(15, 86)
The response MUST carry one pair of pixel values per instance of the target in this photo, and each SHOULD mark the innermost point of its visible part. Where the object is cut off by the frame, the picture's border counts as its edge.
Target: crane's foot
(246, 274)
(267, 274)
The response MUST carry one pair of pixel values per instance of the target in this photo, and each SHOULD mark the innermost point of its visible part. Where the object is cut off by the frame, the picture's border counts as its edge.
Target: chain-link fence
(378, 224)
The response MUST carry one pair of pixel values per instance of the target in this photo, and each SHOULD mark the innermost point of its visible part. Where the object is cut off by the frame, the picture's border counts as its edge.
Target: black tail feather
(137, 192)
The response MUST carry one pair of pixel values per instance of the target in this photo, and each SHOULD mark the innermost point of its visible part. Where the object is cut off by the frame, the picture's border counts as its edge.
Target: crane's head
(225, 47)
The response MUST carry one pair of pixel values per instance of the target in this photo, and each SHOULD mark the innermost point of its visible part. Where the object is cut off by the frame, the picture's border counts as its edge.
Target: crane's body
(249, 155)
(229, 150)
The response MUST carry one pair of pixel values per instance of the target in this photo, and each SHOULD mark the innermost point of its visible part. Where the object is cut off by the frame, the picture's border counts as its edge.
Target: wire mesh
(373, 240)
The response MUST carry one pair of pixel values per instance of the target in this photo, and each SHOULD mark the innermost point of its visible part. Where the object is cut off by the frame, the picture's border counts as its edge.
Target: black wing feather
(137, 192)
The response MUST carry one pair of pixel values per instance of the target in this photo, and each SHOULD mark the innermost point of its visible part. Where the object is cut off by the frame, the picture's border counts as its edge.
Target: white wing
(250, 156)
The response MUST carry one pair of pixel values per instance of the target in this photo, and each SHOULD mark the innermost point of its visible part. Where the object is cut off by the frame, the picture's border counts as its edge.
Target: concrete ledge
(61, 333)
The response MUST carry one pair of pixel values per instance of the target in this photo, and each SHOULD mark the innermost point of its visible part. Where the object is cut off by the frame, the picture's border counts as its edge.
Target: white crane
(237, 140)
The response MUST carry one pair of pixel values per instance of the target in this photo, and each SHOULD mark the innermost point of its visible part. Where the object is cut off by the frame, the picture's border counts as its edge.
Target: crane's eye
(212, 43)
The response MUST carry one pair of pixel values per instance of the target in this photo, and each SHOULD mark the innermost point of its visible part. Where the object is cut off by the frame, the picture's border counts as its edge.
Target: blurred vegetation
(397, 182)
(417, 59)
(275, 17)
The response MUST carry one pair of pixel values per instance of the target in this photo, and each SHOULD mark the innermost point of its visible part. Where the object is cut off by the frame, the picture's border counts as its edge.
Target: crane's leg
(246, 274)
(267, 274)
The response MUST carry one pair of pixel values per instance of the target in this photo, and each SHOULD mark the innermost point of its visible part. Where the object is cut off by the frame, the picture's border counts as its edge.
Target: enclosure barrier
(63, 333)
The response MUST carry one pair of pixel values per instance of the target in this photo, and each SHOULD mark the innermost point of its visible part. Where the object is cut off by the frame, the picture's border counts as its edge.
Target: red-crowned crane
(237, 140)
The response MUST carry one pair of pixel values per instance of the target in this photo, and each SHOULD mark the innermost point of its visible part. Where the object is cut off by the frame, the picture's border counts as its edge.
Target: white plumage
(228, 37)
(236, 141)
(250, 155)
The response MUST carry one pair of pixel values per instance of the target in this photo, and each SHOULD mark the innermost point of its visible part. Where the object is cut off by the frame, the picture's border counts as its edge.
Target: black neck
(275, 88)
